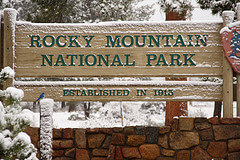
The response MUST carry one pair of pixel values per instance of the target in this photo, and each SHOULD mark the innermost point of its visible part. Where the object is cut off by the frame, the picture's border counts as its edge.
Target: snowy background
(197, 14)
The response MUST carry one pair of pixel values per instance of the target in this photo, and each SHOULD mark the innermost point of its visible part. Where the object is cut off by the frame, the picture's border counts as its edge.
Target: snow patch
(14, 93)
(7, 72)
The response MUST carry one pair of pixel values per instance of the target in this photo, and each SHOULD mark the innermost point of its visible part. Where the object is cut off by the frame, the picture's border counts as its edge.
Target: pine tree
(72, 11)
(14, 143)
(218, 6)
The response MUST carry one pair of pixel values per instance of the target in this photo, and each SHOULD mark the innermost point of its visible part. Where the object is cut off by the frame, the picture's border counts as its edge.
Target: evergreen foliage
(14, 143)
(70, 11)
(218, 6)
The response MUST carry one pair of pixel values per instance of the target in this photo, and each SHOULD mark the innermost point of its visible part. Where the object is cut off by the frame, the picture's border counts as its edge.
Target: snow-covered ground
(110, 116)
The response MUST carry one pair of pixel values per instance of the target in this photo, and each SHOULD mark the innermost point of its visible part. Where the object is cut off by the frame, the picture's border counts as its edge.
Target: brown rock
(80, 138)
(100, 152)
(230, 120)
(111, 152)
(118, 153)
(234, 145)
(183, 140)
(106, 130)
(217, 149)
(140, 130)
(67, 133)
(131, 152)
(118, 139)
(62, 144)
(203, 125)
(38, 154)
(164, 129)
(95, 140)
(174, 125)
(198, 154)
(200, 120)
(168, 152)
(203, 144)
(149, 151)
(107, 142)
(234, 156)
(163, 141)
(92, 130)
(186, 124)
(34, 135)
(224, 132)
(128, 130)
(213, 120)
(117, 129)
(70, 152)
(57, 133)
(135, 140)
(98, 158)
(183, 155)
(165, 158)
(82, 154)
(206, 135)
(58, 153)
(62, 158)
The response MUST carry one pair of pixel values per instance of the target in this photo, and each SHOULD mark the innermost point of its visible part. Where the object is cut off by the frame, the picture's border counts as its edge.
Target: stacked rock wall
(184, 139)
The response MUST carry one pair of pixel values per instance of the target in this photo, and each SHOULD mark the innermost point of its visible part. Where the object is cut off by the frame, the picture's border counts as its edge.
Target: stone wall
(184, 139)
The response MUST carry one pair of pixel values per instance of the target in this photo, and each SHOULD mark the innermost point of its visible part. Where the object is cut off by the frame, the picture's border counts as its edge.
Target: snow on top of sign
(118, 23)
(11, 10)
(110, 83)
(229, 27)
(235, 24)
(225, 29)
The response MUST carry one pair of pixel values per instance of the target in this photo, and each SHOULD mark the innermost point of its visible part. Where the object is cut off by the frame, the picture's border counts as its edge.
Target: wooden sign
(132, 49)
(123, 91)
(118, 49)
(231, 45)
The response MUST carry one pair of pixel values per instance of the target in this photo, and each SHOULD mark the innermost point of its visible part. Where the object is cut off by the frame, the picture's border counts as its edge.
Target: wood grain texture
(182, 91)
(9, 42)
(208, 59)
(227, 76)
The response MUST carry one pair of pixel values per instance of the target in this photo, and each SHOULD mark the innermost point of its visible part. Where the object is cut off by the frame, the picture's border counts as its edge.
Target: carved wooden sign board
(118, 49)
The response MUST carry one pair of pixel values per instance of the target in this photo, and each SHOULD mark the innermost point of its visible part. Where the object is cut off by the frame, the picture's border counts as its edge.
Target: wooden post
(1, 45)
(228, 17)
(10, 16)
(238, 94)
(1, 48)
(175, 108)
(238, 75)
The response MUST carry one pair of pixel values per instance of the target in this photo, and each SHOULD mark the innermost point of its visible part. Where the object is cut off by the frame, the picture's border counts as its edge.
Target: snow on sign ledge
(231, 44)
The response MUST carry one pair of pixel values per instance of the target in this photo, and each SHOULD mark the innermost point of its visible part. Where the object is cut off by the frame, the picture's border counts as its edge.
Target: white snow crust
(15, 93)
(46, 125)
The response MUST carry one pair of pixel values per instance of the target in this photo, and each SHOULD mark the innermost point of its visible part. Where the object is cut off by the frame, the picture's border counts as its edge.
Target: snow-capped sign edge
(231, 44)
